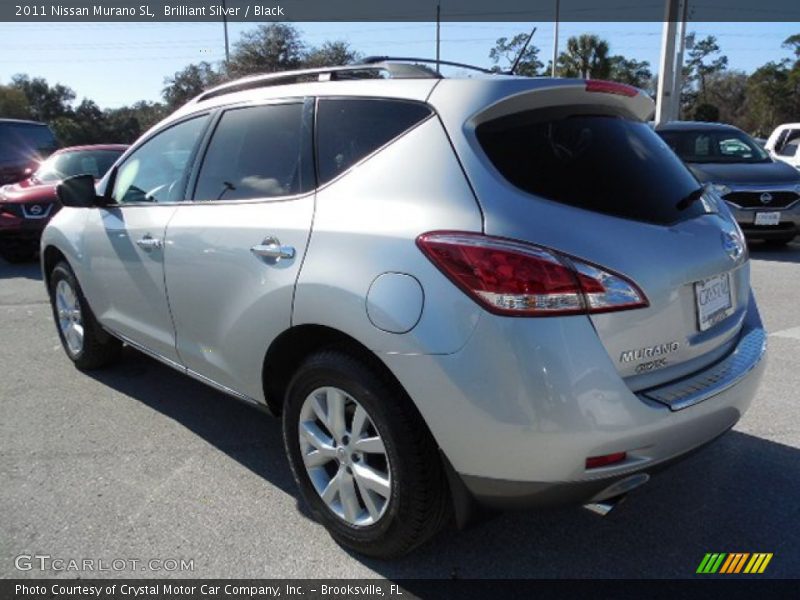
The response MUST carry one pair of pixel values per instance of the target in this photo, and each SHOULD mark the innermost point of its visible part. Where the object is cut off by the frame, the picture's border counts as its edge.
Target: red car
(27, 206)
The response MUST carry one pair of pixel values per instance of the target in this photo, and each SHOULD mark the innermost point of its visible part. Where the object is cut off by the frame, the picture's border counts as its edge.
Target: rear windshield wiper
(687, 201)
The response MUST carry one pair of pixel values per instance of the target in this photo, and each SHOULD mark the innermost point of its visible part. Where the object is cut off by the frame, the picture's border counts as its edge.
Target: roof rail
(428, 61)
(355, 71)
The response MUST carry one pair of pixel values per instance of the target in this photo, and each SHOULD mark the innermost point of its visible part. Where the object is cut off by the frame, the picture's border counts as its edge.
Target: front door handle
(272, 248)
(148, 242)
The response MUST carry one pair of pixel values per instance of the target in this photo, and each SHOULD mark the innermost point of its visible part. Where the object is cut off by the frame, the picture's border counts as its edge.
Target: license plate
(714, 300)
(768, 218)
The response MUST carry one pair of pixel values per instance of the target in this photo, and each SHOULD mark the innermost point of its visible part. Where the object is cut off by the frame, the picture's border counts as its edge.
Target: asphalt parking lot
(138, 461)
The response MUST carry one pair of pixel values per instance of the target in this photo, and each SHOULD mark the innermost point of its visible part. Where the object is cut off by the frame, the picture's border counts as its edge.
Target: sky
(116, 64)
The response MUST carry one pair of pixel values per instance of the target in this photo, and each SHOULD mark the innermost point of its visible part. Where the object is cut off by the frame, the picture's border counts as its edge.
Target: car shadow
(243, 432)
(763, 251)
(27, 270)
(740, 494)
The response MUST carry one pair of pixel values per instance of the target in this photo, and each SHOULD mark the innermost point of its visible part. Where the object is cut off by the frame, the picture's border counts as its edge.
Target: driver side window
(157, 170)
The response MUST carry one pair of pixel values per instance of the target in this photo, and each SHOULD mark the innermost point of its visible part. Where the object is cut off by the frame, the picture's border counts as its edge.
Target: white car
(784, 142)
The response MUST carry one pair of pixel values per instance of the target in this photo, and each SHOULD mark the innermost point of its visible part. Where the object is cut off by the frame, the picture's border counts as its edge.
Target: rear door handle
(148, 242)
(272, 248)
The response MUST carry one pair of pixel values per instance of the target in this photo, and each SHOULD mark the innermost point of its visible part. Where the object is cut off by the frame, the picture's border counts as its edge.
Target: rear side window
(257, 152)
(605, 164)
(351, 129)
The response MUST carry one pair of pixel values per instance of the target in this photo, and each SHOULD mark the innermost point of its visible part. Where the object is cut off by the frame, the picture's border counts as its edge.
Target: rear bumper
(519, 409)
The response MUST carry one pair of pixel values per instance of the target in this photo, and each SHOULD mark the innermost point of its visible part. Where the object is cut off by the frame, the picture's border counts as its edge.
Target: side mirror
(78, 192)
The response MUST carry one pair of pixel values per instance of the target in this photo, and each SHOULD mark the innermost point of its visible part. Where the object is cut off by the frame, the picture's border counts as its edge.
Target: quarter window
(349, 130)
(157, 170)
(257, 152)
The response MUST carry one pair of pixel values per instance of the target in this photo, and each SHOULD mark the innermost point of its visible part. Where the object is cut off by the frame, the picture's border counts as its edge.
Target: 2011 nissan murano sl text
(492, 291)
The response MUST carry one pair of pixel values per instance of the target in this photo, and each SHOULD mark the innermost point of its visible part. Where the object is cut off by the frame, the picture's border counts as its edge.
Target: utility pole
(555, 40)
(225, 25)
(677, 79)
(438, 33)
(666, 74)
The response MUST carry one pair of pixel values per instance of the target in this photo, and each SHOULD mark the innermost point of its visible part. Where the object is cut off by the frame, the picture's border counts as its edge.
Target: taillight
(611, 87)
(513, 278)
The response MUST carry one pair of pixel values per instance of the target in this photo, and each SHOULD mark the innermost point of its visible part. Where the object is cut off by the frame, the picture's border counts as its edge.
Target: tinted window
(714, 146)
(156, 171)
(85, 162)
(601, 163)
(25, 141)
(788, 143)
(348, 130)
(257, 152)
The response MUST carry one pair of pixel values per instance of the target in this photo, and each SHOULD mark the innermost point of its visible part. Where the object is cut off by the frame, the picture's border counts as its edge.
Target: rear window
(349, 130)
(605, 164)
(23, 140)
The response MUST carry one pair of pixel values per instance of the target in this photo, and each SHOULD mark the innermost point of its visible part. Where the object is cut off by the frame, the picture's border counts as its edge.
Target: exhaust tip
(607, 500)
(604, 507)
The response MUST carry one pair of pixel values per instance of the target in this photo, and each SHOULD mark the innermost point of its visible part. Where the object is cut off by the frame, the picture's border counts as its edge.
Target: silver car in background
(496, 291)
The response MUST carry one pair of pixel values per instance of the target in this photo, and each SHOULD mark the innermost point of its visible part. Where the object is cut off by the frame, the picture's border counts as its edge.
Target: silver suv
(491, 291)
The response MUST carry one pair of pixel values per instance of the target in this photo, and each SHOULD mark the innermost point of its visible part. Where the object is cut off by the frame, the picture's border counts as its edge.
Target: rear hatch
(573, 167)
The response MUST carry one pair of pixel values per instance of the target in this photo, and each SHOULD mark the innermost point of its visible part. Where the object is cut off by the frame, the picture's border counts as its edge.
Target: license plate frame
(769, 219)
(713, 298)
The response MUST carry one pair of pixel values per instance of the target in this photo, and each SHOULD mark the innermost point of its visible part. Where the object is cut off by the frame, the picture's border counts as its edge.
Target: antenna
(521, 53)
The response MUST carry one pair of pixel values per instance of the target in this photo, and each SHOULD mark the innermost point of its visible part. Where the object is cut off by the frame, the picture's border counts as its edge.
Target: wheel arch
(51, 256)
(287, 352)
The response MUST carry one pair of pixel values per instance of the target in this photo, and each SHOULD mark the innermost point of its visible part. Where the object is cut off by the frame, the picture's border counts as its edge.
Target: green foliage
(188, 83)
(13, 103)
(330, 54)
(506, 50)
(633, 72)
(706, 112)
(267, 49)
(586, 57)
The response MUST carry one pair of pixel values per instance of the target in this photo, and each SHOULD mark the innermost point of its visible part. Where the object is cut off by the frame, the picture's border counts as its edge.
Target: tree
(701, 63)
(769, 98)
(507, 51)
(728, 92)
(13, 103)
(330, 54)
(46, 103)
(631, 71)
(267, 49)
(793, 43)
(706, 112)
(188, 83)
(586, 56)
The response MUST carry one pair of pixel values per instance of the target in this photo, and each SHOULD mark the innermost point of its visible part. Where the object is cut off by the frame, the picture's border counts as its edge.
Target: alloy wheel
(344, 456)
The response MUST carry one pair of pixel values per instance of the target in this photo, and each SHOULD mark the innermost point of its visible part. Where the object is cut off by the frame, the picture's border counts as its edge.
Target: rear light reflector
(595, 462)
(513, 278)
(611, 87)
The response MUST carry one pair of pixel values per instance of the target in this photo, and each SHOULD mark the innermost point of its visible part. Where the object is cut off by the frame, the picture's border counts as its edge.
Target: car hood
(767, 173)
(28, 190)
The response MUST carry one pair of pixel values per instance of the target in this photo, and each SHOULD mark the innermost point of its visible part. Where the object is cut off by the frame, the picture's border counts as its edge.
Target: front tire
(362, 457)
(84, 341)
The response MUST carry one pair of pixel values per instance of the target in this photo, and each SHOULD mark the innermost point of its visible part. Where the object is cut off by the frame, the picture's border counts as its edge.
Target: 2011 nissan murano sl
(493, 291)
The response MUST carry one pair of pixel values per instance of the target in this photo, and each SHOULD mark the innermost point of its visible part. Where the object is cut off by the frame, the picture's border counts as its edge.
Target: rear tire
(401, 459)
(87, 345)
